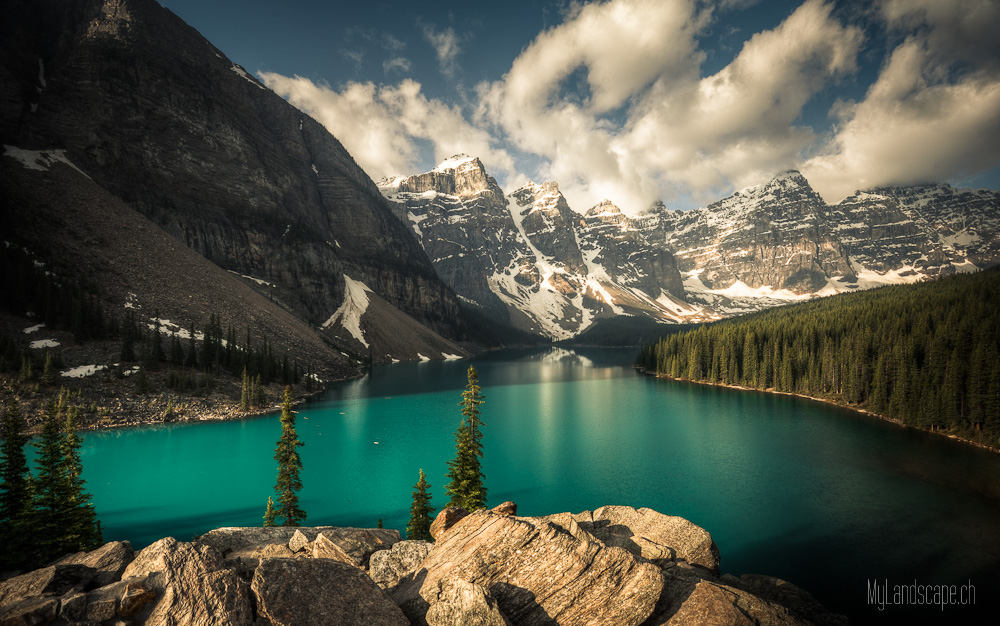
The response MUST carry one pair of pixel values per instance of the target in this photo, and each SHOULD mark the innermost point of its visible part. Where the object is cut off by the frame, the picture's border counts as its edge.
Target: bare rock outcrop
(656, 536)
(192, 584)
(247, 546)
(506, 508)
(617, 565)
(708, 603)
(537, 572)
(459, 603)
(323, 548)
(307, 592)
(389, 567)
(447, 518)
(109, 561)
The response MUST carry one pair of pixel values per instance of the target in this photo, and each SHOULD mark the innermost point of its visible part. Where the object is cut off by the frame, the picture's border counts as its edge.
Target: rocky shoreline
(617, 565)
(829, 401)
(132, 410)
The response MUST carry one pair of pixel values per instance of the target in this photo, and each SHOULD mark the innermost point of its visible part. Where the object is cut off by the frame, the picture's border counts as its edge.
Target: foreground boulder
(447, 518)
(617, 566)
(389, 567)
(108, 561)
(537, 572)
(246, 546)
(458, 603)
(192, 585)
(298, 592)
(647, 533)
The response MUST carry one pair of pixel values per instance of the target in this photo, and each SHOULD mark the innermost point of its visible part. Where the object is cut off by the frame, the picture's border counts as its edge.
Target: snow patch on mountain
(243, 74)
(40, 160)
(352, 310)
(454, 162)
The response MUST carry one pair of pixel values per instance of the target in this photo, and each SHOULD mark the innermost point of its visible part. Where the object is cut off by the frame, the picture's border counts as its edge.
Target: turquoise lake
(821, 496)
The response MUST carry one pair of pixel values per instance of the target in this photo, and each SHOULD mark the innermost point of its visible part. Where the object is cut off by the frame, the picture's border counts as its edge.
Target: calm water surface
(818, 495)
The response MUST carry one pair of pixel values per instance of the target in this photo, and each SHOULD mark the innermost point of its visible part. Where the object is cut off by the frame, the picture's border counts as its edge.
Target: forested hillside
(925, 354)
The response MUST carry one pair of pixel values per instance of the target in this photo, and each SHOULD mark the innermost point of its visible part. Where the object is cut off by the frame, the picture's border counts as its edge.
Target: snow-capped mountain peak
(528, 259)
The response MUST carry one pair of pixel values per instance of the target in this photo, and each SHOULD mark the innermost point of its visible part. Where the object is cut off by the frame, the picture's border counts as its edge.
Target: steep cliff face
(159, 117)
(460, 216)
(528, 259)
(616, 243)
(548, 222)
(773, 235)
(928, 229)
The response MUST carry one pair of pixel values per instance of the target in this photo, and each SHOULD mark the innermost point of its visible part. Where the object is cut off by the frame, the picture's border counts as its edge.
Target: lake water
(821, 496)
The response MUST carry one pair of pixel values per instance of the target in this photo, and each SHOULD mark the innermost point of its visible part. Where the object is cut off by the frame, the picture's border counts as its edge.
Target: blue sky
(638, 100)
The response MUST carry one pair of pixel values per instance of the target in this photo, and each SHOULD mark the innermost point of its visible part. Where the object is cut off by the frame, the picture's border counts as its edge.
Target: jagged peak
(604, 208)
(548, 187)
(454, 162)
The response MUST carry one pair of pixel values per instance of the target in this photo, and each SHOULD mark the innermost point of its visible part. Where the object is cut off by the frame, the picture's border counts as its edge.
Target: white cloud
(930, 115)
(447, 47)
(647, 125)
(681, 133)
(396, 64)
(380, 126)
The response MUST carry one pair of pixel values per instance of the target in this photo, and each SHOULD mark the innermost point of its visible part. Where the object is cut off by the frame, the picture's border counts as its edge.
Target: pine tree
(269, 513)
(259, 396)
(48, 371)
(26, 372)
(15, 499)
(466, 488)
(420, 511)
(289, 465)
(52, 499)
(245, 394)
(83, 522)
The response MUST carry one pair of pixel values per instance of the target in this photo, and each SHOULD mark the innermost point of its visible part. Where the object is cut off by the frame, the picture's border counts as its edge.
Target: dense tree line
(44, 516)
(26, 286)
(926, 354)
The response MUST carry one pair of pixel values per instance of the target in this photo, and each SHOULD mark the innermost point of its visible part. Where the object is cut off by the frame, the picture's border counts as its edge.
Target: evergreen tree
(420, 511)
(465, 488)
(52, 499)
(176, 351)
(269, 513)
(83, 522)
(48, 372)
(259, 396)
(245, 393)
(15, 498)
(289, 465)
(191, 360)
(26, 373)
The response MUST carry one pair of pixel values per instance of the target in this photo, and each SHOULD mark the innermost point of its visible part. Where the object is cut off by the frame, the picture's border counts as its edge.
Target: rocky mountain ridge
(149, 110)
(529, 259)
(616, 565)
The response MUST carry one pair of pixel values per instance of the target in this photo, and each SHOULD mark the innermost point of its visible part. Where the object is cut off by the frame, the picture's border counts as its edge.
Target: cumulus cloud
(612, 103)
(934, 111)
(447, 46)
(381, 125)
(681, 133)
